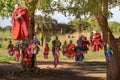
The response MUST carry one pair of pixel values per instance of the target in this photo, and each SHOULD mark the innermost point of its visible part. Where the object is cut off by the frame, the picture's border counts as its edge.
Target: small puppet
(17, 53)
(56, 57)
(10, 48)
(109, 52)
(46, 51)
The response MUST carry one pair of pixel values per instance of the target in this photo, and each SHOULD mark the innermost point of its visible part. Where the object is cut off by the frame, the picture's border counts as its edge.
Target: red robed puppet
(20, 23)
(97, 41)
(70, 51)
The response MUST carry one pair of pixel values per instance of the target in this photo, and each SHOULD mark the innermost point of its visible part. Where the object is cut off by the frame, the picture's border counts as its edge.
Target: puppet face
(34, 37)
(17, 5)
(94, 31)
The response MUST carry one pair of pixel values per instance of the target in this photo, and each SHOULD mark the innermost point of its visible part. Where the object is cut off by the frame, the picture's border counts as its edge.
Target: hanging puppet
(34, 45)
(10, 48)
(85, 44)
(79, 53)
(20, 22)
(109, 52)
(97, 41)
(46, 51)
(70, 50)
(55, 50)
(56, 57)
(17, 53)
(26, 55)
(55, 45)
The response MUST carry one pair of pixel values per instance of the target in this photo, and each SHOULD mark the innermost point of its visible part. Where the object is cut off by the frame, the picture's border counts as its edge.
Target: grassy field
(4, 57)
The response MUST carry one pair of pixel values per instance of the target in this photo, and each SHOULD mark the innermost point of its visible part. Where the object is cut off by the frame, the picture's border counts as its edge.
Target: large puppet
(20, 22)
(97, 41)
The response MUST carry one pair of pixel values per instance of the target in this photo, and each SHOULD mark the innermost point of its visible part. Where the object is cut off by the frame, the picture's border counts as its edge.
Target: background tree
(100, 10)
(80, 24)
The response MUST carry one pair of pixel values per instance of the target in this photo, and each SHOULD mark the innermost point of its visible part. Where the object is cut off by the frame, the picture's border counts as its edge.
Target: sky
(62, 19)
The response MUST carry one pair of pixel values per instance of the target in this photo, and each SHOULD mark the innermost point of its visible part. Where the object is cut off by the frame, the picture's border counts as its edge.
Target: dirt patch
(66, 70)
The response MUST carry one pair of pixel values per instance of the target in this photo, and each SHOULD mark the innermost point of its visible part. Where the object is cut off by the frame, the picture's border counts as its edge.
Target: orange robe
(20, 25)
(70, 51)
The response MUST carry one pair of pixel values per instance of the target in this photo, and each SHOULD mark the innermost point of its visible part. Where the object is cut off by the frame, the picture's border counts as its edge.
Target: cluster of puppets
(29, 49)
(20, 25)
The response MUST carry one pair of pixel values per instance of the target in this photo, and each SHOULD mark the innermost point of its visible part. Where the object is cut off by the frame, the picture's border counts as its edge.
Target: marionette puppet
(55, 45)
(108, 52)
(10, 48)
(26, 54)
(80, 40)
(97, 41)
(79, 53)
(34, 45)
(85, 44)
(56, 57)
(20, 22)
(46, 51)
(17, 53)
(70, 50)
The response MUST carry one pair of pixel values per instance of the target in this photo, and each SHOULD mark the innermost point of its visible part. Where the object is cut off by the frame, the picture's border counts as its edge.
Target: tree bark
(113, 65)
(31, 5)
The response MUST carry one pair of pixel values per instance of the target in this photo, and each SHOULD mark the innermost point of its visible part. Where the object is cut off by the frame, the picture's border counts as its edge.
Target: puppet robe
(10, 49)
(70, 51)
(56, 57)
(97, 42)
(46, 52)
(20, 25)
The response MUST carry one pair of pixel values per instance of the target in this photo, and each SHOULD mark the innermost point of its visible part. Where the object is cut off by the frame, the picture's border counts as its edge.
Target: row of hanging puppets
(69, 49)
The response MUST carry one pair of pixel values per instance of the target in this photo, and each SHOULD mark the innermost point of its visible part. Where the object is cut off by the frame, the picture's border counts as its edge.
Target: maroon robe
(97, 42)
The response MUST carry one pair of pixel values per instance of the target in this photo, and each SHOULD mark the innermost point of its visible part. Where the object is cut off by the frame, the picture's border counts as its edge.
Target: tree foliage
(80, 24)
(114, 26)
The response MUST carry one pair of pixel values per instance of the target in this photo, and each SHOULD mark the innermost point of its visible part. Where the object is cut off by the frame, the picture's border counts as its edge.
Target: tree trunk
(31, 5)
(113, 65)
(31, 34)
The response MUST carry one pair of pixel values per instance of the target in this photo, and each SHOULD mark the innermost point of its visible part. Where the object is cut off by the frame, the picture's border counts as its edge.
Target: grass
(4, 57)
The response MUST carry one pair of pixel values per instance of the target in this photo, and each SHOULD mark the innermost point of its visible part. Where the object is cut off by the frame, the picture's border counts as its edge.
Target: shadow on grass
(4, 62)
(95, 63)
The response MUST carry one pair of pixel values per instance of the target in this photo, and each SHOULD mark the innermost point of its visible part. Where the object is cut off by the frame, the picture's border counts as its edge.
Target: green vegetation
(114, 26)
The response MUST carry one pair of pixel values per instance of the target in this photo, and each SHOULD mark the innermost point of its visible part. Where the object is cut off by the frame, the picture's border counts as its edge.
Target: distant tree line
(49, 24)
(6, 28)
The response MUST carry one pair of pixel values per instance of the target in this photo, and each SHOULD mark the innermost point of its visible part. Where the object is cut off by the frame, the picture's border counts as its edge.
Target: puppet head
(17, 5)
(94, 31)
